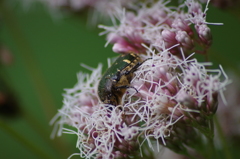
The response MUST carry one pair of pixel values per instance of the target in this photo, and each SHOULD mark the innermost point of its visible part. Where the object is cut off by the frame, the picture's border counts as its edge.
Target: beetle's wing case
(117, 78)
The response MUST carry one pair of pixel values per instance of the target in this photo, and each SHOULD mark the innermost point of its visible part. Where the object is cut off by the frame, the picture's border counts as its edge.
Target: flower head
(161, 26)
(175, 96)
(171, 97)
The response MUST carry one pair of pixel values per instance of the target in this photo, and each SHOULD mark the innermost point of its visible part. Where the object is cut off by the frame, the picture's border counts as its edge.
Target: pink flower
(176, 97)
(157, 25)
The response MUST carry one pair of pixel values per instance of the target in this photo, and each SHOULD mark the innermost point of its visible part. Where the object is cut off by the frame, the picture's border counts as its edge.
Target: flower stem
(211, 141)
(211, 150)
(222, 138)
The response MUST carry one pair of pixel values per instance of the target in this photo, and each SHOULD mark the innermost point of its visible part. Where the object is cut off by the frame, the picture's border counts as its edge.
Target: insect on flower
(117, 78)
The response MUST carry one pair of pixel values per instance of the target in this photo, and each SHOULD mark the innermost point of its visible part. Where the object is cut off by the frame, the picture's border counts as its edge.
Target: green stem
(211, 151)
(31, 146)
(223, 140)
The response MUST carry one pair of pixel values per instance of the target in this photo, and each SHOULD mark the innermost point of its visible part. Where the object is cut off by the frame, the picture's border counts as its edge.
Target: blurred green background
(47, 51)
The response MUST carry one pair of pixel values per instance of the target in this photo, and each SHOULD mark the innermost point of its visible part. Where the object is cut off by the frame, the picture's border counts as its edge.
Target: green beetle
(117, 78)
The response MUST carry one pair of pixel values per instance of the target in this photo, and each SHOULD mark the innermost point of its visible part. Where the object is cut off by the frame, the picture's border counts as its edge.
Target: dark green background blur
(47, 53)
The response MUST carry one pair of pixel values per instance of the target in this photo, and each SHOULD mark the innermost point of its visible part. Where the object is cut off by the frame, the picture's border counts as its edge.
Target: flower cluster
(174, 96)
(160, 26)
(171, 98)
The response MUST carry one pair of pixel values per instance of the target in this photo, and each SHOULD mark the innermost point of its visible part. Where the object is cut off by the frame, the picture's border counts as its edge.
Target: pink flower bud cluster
(158, 25)
(175, 95)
